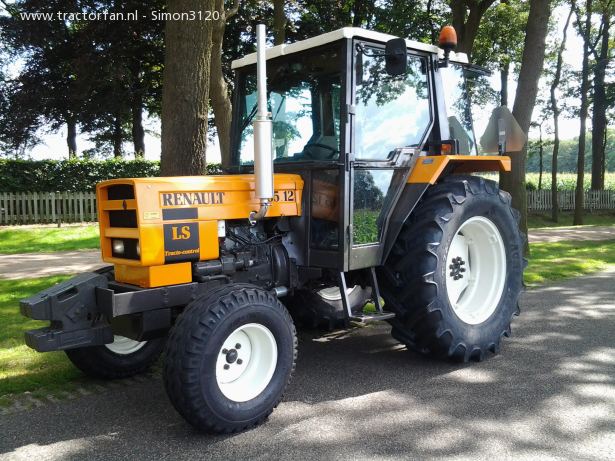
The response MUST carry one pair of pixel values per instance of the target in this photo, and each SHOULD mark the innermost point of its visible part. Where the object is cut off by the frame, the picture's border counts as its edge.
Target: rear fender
(426, 172)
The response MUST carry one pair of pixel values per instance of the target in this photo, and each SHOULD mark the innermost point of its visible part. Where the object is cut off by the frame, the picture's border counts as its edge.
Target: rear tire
(455, 273)
(120, 359)
(324, 307)
(217, 386)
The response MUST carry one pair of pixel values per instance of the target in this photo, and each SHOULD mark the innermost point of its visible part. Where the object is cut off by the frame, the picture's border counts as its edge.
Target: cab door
(391, 117)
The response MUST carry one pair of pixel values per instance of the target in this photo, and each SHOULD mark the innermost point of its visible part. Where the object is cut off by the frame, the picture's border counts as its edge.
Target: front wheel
(229, 358)
(455, 273)
(122, 358)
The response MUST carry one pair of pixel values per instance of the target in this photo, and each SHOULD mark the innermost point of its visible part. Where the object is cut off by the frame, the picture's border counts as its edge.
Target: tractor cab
(352, 118)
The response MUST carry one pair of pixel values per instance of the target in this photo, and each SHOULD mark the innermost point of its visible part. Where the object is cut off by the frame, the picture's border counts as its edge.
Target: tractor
(350, 181)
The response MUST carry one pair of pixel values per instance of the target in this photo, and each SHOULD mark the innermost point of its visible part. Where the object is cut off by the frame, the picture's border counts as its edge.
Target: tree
(467, 15)
(584, 28)
(599, 119)
(218, 88)
(185, 93)
(54, 57)
(500, 48)
(525, 98)
(279, 22)
(555, 110)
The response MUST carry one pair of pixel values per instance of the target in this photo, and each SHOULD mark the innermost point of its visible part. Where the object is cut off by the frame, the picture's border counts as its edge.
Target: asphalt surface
(550, 394)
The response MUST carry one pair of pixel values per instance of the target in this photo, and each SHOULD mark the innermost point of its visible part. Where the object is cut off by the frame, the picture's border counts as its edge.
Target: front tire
(229, 358)
(123, 358)
(455, 273)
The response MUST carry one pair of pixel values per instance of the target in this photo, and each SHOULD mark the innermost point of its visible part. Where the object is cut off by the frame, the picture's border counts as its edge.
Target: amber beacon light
(448, 38)
(448, 42)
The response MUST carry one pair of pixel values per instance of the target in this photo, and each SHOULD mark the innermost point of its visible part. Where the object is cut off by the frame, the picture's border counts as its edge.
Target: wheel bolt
(225, 351)
(239, 361)
(237, 346)
(226, 366)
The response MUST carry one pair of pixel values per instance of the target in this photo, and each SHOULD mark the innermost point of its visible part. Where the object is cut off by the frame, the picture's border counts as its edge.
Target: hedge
(72, 175)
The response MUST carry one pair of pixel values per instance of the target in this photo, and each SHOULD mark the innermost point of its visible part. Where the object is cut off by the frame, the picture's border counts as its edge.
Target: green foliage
(365, 227)
(566, 181)
(568, 151)
(73, 175)
(47, 239)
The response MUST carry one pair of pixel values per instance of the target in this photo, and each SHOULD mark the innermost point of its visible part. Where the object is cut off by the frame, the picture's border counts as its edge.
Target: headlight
(118, 246)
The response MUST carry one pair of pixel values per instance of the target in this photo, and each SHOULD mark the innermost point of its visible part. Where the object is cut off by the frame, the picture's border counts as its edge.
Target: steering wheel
(330, 156)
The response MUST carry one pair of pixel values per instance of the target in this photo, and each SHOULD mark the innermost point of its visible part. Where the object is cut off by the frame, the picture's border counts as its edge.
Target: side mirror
(503, 134)
(396, 56)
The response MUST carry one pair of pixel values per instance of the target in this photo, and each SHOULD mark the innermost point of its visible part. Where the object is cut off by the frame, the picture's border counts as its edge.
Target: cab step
(371, 317)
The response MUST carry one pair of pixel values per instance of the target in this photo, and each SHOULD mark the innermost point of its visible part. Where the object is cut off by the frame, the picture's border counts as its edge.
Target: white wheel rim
(334, 294)
(476, 270)
(124, 346)
(246, 362)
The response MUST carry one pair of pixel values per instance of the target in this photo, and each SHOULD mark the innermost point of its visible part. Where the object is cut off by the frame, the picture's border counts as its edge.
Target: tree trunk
(585, 33)
(525, 99)
(540, 157)
(504, 71)
(138, 133)
(185, 93)
(218, 89)
(599, 121)
(136, 109)
(118, 137)
(279, 22)
(556, 111)
(71, 138)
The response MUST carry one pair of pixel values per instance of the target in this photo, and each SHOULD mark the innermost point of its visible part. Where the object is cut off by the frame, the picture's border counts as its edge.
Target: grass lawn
(535, 221)
(48, 239)
(22, 369)
(555, 261)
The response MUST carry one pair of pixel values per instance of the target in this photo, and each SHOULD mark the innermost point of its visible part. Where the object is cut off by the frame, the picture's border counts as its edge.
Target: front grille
(130, 249)
(120, 192)
(123, 218)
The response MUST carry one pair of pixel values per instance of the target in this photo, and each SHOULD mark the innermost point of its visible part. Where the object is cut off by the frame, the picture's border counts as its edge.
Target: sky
(54, 144)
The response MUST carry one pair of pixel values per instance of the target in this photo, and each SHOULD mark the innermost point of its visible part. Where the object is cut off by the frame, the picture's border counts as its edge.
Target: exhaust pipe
(263, 158)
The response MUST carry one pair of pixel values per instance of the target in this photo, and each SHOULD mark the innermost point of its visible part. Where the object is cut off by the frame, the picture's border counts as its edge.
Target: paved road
(558, 234)
(549, 395)
(32, 265)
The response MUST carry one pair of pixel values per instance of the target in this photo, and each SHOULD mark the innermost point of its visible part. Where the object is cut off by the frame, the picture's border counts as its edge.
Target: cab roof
(345, 32)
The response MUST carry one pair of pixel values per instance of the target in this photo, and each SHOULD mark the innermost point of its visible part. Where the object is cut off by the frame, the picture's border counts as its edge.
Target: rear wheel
(324, 307)
(122, 358)
(229, 358)
(455, 274)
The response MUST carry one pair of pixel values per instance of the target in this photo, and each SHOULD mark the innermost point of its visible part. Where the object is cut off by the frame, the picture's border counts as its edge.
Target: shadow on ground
(551, 393)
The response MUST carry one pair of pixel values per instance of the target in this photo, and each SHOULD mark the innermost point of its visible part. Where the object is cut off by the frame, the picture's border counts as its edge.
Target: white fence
(595, 200)
(66, 207)
(47, 207)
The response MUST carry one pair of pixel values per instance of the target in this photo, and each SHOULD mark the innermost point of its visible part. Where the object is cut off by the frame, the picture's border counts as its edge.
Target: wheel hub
(231, 356)
(457, 268)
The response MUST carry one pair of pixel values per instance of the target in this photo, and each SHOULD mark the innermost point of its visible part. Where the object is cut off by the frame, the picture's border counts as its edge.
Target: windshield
(304, 101)
(458, 108)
